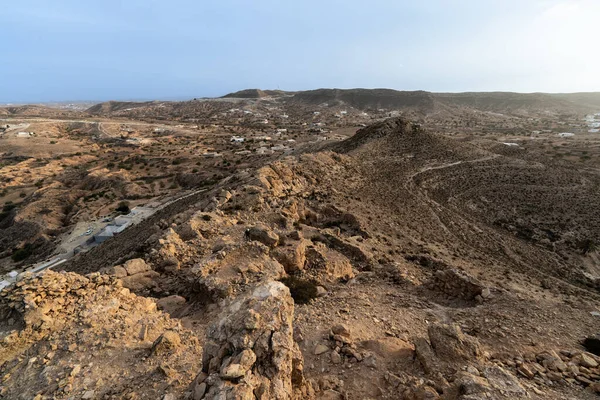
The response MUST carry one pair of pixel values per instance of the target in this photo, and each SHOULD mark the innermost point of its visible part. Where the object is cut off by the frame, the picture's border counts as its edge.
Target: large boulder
(250, 352)
(136, 266)
(451, 344)
(263, 234)
(293, 255)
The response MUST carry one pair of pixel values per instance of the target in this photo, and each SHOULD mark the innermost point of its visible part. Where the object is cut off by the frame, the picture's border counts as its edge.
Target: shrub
(123, 207)
(22, 253)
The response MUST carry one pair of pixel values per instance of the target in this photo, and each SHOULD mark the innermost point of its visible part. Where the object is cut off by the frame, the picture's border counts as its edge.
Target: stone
(88, 395)
(116, 270)
(320, 349)
(231, 349)
(526, 371)
(586, 361)
(169, 396)
(76, 369)
(292, 256)
(199, 391)
(141, 281)
(263, 234)
(165, 343)
(170, 304)
(239, 366)
(451, 344)
(336, 358)
(321, 291)
(504, 382)
(431, 364)
(136, 266)
(554, 376)
(486, 293)
(341, 329)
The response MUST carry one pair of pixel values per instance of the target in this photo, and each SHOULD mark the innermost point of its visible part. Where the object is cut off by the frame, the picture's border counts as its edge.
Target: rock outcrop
(251, 352)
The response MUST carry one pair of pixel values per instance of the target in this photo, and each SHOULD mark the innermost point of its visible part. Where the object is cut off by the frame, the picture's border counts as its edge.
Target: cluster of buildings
(122, 222)
(593, 122)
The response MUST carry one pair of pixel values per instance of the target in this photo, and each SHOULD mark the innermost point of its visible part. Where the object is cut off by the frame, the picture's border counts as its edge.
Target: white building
(212, 155)
(566, 134)
(25, 134)
(237, 139)
(108, 232)
(264, 150)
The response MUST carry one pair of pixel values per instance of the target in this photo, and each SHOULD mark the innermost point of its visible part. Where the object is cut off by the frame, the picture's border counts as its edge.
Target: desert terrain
(326, 244)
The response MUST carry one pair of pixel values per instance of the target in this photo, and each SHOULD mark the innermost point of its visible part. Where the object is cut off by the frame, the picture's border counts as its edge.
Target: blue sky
(152, 49)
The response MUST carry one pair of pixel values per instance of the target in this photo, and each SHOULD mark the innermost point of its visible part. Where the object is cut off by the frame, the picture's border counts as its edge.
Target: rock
(166, 343)
(336, 358)
(296, 235)
(468, 384)
(168, 396)
(341, 329)
(320, 349)
(586, 361)
(76, 369)
(264, 351)
(486, 293)
(450, 343)
(141, 281)
(292, 256)
(116, 270)
(199, 391)
(136, 266)
(551, 361)
(263, 234)
(321, 291)
(504, 382)
(170, 304)
(88, 395)
(554, 376)
(431, 364)
(239, 365)
(526, 371)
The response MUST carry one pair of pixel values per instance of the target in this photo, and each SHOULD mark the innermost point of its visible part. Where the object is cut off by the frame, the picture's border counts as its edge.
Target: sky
(67, 50)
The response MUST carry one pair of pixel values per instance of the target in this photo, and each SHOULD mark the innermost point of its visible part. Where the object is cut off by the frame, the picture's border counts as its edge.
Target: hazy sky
(146, 49)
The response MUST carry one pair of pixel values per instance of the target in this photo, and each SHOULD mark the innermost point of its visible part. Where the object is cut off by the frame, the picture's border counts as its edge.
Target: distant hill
(367, 98)
(413, 102)
(112, 106)
(590, 99)
(254, 94)
(509, 102)
(429, 102)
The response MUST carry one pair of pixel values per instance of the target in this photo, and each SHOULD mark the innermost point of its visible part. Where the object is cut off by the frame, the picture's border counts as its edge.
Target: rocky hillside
(393, 266)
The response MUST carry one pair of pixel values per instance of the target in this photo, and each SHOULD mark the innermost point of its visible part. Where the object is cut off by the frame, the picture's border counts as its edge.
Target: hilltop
(255, 94)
